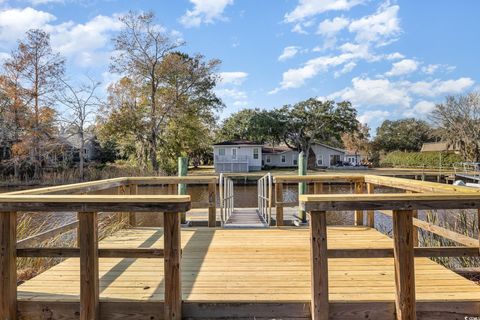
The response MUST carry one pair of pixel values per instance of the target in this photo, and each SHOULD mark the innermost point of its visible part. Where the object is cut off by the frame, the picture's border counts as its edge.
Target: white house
(327, 156)
(246, 156)
(237, 156)
(279, 157)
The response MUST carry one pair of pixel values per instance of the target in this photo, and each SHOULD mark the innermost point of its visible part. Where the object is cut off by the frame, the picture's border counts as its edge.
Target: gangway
(232, 217)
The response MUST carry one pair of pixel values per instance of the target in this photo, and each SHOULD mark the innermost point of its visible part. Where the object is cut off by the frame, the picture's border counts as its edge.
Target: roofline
(332, 148)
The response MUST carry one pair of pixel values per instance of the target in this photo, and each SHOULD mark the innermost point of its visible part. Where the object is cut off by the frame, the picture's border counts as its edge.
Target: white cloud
(431, 68)
(383, 92)
(370, 92)
(235, 78)
(308, 8)
(439, 87)
(85, 43)
(40, 2)
(394, 56)
(15, 22)
(204, 11)
(381, 28)
(294, 78)
(423, 107)
(377, 115)
(402, 67)
(288, 52)
(95, 35)
(346, 69)
(329, 28)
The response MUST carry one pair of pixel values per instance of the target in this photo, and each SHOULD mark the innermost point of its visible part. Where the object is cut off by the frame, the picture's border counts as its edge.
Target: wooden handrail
(88, 251)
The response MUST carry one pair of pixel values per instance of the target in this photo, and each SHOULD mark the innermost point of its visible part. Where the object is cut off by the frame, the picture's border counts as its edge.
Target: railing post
(182, 188)
(212, 204)
(370, 213)
(404, 264)
(132, 217)
(319, 265)
(89, 280)
(279, 203)
(415, 228)
(318, 188)
(172, 247)
(359, 188)
(302, 186)
(8, 265)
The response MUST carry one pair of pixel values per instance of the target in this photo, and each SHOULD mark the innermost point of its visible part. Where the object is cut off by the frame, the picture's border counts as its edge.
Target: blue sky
(392, 59)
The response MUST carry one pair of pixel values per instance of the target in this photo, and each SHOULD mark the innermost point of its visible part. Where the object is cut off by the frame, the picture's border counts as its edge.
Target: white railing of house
(265, 191)
(226, 197)
(231, 159)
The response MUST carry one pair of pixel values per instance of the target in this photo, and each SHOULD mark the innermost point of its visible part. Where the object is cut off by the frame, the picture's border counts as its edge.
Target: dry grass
(461, 221)
(29, 224)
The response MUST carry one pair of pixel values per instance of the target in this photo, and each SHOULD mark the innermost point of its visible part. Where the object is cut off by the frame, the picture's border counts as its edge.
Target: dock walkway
(247, 273)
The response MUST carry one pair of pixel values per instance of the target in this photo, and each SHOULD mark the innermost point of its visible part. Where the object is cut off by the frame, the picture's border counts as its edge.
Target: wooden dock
(248, 273)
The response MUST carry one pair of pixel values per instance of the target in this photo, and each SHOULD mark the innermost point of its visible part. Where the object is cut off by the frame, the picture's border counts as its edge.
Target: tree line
(163, 105)
(455, 122)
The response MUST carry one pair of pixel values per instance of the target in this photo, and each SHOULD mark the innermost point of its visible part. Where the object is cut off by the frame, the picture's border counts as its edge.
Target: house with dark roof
(247, 156)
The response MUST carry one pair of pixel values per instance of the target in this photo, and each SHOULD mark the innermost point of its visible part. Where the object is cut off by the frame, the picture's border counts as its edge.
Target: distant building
(355, 159)
(247, 156)
(438, 147)
(237, 156)
(279, 157)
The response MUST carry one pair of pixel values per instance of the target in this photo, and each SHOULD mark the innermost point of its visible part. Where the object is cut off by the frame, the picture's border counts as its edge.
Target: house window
(268, 159)
(221, 151)
(234, 153)
(255, 153)
(320, 160)
(283, 159)
(334, 159)
(295, 161)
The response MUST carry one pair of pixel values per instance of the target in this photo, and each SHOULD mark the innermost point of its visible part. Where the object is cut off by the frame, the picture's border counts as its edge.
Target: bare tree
(459, 121)
(40, 70)
(81, 104)
(141, 46)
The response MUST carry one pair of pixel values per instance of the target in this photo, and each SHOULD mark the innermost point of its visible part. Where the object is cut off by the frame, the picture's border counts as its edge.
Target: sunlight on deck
(266, 265)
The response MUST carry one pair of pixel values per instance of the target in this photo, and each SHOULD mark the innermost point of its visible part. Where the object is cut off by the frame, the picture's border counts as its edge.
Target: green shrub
(417, 159)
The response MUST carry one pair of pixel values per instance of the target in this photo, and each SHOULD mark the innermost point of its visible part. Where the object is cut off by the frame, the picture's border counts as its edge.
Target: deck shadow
(116, 271)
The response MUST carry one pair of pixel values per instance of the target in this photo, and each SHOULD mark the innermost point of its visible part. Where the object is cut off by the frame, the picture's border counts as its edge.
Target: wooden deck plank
(240, 265)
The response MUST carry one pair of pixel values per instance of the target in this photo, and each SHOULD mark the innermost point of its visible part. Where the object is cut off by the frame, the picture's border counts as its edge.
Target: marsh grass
(461, 221)
(29, 224)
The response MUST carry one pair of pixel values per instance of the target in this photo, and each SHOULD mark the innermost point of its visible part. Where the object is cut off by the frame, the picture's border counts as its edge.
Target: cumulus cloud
(383, 92)
(95, 35)
(374, 92)
(381, 27)
(309, 8)
(368, 116)
(348, 67)
(235, 78)
(439, 87)
(288, 52)
(330, 28)
(40, 2)
(402, 67)
(204, 11)
(420, 108)
(15, 22)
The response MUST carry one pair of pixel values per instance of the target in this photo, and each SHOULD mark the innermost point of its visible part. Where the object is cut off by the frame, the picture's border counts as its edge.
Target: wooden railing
(119, 186)
(87, 207)
(404, 251)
